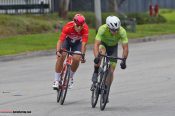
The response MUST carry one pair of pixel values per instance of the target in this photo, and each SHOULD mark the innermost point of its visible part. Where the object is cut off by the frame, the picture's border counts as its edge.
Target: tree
(97, 5)
(115, 4)
(63, 8)
(112, 5)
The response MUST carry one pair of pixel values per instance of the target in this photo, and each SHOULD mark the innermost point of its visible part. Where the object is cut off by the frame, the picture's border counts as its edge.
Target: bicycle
(65, 76)
(102, 87)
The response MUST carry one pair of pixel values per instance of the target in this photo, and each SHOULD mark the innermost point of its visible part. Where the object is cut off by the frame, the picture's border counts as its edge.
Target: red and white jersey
(69, 31)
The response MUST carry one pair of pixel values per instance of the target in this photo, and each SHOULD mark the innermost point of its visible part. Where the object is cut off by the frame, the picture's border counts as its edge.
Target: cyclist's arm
(84, 38)
(83, 48)
(124, 39)
(125, 50)
(98, 39)
(96, 47)
(61, 40)
(59, 44)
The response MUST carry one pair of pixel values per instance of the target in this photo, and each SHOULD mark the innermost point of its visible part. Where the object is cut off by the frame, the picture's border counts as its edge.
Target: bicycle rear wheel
(65, 85)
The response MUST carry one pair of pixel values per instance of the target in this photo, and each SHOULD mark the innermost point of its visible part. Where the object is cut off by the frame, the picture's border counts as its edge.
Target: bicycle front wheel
(95, 95)
(104, 97)
(59, 91)
(65, 85)
(105, 88)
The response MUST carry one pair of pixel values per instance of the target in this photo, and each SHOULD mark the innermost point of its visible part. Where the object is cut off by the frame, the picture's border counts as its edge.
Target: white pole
(97, 4)
(50, 5)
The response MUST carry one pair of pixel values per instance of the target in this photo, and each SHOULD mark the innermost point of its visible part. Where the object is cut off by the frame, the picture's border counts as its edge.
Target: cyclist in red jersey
(74, 37)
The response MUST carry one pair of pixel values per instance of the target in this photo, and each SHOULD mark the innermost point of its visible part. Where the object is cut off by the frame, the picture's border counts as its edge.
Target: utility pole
(97, 4)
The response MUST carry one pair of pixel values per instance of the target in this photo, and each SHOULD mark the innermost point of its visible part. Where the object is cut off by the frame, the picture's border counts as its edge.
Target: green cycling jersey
(108, 38)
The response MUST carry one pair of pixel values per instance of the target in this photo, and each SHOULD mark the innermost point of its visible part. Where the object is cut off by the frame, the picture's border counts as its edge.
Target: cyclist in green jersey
(106, 42)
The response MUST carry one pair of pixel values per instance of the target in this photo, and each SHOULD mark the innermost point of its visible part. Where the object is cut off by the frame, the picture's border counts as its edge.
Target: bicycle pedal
(93, 87)
(55, 88)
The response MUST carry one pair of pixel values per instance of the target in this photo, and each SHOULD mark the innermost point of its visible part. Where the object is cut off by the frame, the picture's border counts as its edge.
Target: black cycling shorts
(70, 45)
(111, 50)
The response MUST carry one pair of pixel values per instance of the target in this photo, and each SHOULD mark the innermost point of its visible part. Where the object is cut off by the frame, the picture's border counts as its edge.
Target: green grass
(18, 44)
(27, 24)
(156, 29)
(168, 14)
(152, 29)
(34, 42)
(48, 38)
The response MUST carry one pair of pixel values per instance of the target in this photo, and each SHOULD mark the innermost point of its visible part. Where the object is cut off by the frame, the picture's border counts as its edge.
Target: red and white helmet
(79, 19)
(113, 22)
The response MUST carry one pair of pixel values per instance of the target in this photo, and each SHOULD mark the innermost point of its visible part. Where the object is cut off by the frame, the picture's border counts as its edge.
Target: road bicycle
(65, 76)
(102, 87)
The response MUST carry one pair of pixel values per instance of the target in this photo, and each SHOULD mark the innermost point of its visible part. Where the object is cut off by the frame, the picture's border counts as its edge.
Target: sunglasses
(78, 27)
(114, 30)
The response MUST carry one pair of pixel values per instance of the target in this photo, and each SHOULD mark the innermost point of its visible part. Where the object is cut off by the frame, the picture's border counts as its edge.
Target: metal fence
(127, 6)
(131, 6)
(24, 6)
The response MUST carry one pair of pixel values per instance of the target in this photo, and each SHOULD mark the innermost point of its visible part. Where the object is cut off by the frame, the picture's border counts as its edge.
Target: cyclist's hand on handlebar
(123, 64)
(97, 60)
(83, 59)
(58, 54)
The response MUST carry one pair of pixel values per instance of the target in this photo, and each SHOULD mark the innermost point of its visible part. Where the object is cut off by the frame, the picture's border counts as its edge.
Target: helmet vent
(115, 24)
(112, 24)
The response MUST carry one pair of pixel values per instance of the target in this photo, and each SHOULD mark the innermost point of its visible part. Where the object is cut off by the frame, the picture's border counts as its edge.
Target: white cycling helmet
(113, 22)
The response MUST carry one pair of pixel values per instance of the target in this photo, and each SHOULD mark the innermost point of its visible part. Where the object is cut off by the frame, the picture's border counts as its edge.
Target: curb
(26, 55)
(152, 38)
(52, 52)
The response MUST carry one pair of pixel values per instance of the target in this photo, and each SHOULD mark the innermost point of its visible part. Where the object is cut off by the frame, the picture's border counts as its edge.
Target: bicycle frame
(106, 63)
(68, 61)
(104, 85)
(100, 86)
(65, 76)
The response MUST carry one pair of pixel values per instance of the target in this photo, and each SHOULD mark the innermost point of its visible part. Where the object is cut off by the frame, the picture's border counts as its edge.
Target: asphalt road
(145, 88)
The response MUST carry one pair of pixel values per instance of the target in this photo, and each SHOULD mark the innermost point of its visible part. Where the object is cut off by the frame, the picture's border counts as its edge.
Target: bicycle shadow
(71, 102)
(128, 108)
(78, 102)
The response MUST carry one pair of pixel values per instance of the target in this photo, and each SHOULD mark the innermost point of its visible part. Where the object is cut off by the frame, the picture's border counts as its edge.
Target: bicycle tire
(104, 98)
(65, 85)
(59, 90)
(58, 95)
(96, 91)
(104, 92)
(95, 95)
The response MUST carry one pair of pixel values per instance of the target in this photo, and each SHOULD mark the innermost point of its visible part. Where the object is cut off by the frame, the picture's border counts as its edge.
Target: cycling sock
(96, 69)
(57, 76)
(71, 73)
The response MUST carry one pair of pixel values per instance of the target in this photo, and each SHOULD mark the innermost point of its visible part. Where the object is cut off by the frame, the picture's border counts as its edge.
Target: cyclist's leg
(112, 51)
(102, 50)
(76, 47)
(60, 60)
(59, 66)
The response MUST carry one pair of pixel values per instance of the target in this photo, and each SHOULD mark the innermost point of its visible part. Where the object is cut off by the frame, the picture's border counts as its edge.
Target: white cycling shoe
(55, 85)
